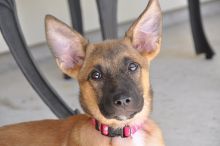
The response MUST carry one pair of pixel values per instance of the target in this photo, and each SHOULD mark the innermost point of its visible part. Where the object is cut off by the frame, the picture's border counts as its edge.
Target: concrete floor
(186, 86)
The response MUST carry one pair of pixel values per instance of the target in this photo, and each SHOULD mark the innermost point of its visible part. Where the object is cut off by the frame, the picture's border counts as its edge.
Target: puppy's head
(113, 75)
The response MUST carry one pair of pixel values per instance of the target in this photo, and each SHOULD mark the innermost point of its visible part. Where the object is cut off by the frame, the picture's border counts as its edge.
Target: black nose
(122, 100)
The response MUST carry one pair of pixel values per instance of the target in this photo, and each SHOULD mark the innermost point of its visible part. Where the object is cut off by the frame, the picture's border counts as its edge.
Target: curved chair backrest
(13, 36)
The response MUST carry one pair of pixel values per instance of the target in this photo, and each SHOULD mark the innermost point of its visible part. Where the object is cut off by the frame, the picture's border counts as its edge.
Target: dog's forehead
(112, 51)
(109, 49)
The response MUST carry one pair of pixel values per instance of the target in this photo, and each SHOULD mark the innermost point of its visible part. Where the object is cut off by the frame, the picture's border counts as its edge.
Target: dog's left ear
(145, 32)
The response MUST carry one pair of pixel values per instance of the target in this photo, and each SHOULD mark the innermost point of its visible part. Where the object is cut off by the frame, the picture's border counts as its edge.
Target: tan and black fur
(114, 86)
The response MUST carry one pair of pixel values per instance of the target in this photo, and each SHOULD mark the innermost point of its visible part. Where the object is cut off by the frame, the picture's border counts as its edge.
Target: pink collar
(124, 132)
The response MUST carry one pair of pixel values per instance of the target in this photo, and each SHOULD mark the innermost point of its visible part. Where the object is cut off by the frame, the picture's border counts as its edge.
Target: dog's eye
(133, 66)
(95, 75)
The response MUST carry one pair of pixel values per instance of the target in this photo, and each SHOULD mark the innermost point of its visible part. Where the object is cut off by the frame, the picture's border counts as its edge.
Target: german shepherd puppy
(115, 90)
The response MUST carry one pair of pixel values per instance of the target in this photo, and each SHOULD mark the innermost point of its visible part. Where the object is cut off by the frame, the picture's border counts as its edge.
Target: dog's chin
(121, 117)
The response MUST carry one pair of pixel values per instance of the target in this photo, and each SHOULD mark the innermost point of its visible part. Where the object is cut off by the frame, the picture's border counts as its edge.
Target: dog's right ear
(67, 45)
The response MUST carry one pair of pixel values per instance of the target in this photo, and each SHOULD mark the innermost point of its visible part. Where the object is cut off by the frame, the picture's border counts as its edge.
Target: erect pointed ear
(67, 45)
(145, 32)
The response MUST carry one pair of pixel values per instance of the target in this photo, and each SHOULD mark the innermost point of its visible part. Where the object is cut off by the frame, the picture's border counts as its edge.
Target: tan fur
(78, 130)
(74, 131)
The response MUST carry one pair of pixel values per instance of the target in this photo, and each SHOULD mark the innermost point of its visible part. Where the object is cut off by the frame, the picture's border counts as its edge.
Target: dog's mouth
(121, 115)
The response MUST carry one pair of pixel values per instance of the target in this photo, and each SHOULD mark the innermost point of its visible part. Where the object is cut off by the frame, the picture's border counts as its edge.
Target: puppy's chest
(138, 139)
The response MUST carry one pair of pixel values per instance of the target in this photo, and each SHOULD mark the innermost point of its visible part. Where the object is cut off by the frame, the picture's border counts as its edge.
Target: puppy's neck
(124, 132)
(95, 137)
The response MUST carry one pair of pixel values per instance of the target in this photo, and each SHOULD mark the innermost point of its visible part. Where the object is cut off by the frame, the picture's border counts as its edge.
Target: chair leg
(200, 40)
(76, 15)
(14, 38)
(76, 19)
(107, 10)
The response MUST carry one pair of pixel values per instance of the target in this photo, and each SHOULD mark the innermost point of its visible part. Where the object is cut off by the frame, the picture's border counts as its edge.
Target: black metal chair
(11, 31)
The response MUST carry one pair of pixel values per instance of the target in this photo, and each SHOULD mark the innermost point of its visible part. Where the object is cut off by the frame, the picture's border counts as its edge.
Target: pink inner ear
(70, 56)
(67, 49)
(144, 42)
(69, 62)
(147, 33)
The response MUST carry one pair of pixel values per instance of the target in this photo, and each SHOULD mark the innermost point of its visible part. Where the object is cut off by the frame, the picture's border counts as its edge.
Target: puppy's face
(113, 75)
(111, 81)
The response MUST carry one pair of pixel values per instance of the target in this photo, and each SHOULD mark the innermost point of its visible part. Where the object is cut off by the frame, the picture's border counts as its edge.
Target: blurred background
(186, 86)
